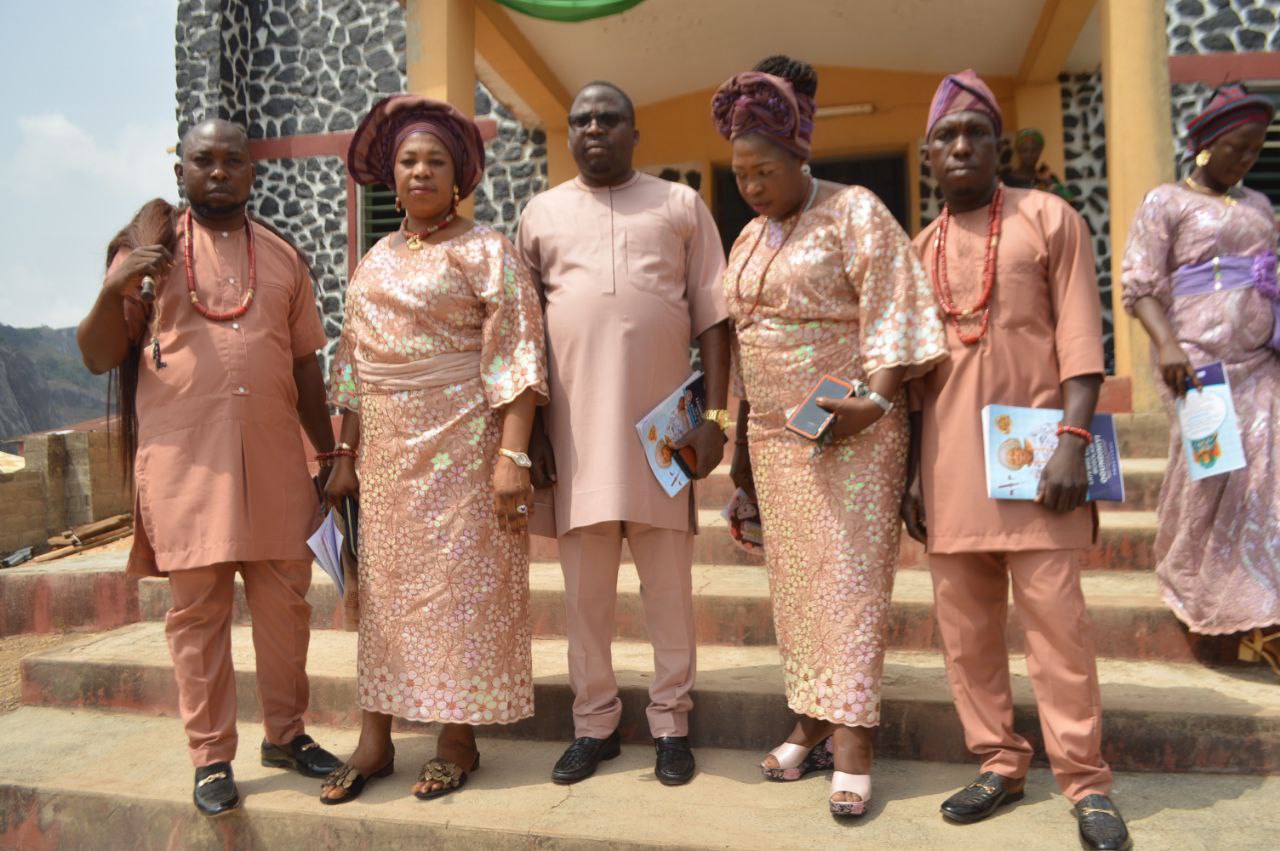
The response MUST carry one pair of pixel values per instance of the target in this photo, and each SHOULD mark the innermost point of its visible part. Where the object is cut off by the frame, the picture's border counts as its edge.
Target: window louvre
(378, 215)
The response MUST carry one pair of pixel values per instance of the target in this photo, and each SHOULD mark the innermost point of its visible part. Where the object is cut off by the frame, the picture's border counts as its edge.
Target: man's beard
(217, 211)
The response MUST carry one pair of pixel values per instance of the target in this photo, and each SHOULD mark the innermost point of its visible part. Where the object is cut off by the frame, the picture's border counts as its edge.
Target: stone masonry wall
(1222, 26)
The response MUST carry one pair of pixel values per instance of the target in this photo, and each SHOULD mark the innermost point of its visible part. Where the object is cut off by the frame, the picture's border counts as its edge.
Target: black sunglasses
(606, 120)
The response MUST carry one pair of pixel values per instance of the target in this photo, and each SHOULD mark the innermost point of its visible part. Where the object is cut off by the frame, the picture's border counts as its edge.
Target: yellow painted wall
(680, 130)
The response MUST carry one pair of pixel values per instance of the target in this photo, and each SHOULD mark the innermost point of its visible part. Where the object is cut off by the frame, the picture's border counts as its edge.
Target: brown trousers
(590, 557)
(971, 591)
(198, 627)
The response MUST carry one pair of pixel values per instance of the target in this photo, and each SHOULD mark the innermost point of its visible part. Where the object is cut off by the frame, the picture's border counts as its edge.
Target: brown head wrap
(756, 102)
(372, 155)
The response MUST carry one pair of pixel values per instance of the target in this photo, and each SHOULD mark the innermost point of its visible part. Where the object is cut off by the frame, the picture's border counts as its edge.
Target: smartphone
(351, 516)
(811, 421)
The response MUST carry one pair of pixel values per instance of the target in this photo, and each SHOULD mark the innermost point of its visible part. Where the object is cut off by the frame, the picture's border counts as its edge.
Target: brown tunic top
(1046, 327)
(629, 275)
(221, 473)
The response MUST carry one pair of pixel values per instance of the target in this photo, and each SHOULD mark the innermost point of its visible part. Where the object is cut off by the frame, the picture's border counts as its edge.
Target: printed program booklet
(1018, 443)
(667, 423)
(1210, 430)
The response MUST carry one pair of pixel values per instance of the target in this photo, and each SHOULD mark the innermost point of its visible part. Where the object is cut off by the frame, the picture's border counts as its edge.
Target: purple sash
(1233, 273)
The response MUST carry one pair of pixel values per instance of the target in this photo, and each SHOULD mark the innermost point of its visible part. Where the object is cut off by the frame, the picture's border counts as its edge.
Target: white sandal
(795, 761)
(858, 784)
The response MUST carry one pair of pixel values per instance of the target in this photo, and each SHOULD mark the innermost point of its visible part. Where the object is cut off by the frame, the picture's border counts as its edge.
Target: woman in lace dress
(438, 369)
(823, 281)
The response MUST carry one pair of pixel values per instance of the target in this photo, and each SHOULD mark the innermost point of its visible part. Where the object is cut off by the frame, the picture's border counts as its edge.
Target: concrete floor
(71, 777)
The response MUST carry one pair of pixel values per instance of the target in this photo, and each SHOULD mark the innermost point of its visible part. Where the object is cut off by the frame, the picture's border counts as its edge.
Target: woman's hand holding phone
(811, 420)
(852, 415)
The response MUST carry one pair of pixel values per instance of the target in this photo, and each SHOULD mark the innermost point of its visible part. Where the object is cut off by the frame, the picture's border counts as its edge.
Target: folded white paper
(326, 543)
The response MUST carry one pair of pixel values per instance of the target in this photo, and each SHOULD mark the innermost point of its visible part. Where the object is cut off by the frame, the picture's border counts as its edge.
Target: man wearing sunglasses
(629, 267)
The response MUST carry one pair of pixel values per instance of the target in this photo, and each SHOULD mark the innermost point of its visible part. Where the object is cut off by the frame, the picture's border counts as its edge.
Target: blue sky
(86, 113)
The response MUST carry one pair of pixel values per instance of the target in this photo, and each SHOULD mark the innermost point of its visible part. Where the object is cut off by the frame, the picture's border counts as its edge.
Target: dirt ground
(12, 649)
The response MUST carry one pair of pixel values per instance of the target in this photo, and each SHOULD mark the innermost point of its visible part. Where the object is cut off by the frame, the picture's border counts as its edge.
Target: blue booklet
(1210, 430)
(1018, 443)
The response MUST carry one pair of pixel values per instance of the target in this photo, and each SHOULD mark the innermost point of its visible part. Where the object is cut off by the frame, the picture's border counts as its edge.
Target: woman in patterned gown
(1200, 274)
(823, 281)
(438, 369)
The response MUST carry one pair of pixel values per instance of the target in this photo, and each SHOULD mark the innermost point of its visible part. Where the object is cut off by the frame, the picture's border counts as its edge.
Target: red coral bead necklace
(189, 256)
(942, 286)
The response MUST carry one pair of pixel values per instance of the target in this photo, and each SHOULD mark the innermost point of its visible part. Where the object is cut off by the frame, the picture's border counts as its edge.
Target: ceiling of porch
(665, 48)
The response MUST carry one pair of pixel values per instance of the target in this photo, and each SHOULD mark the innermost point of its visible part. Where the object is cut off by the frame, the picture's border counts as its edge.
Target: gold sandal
(1253, 648)
(347, 778)
(448, 773)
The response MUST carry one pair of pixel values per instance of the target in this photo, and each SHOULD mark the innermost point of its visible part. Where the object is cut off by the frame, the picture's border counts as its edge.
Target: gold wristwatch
(719, 416)
(521, 459)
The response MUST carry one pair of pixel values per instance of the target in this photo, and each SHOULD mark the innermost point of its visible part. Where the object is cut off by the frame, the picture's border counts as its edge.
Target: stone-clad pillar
(1135, 76)
(212, 57)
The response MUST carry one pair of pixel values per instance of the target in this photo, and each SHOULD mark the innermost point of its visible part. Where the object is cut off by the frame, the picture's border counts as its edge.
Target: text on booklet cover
(1018, 443)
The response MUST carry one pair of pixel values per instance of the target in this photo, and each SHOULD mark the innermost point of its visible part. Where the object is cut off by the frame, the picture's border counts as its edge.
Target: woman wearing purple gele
(1200, 274)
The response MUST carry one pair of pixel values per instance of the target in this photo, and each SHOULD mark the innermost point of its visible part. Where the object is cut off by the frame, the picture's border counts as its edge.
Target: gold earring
(398, 207)
(1202, 158)
(457, 196)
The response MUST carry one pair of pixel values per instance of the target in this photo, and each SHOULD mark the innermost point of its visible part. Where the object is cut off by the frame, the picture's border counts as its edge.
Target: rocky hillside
(43, 384)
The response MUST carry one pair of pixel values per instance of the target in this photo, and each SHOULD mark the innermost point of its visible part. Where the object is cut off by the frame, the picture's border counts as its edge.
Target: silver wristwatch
(521, 459)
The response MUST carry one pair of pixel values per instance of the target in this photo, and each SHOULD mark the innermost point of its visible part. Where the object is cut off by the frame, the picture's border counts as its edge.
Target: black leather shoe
(980, 798)
(215, 792)
(303, 755)
(675, 761)
(1101, 826)
(580, 759)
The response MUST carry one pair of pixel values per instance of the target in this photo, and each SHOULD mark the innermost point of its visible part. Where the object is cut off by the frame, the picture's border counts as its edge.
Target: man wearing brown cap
(1013, 272)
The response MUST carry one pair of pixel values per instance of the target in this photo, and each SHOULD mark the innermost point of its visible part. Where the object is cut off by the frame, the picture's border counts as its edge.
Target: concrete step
(1159, 716)
(144, 800)
(732, 606)
(91, 591)
(84, 592)
(1143, 435)
(1125, 543)
(1142, 480)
